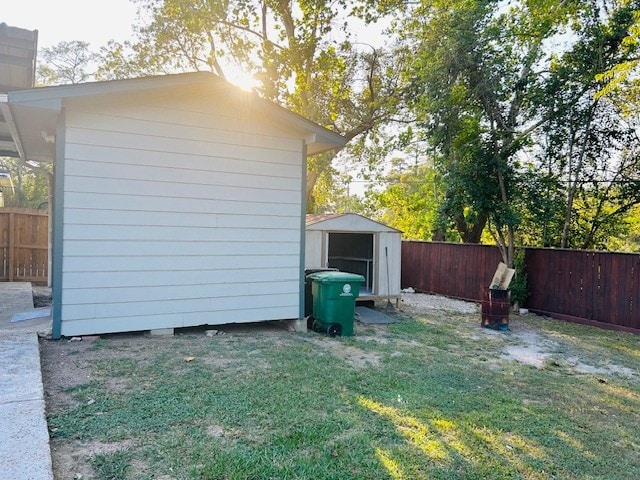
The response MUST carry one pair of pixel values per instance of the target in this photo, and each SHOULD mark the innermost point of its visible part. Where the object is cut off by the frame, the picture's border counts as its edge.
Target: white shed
(356, 244)
(179, 201)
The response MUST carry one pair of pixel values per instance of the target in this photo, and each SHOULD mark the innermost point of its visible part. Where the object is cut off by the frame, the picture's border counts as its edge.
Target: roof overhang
(29, 117)
(27, 132)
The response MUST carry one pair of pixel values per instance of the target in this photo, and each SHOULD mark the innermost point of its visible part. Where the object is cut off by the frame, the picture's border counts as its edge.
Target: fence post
(11, 245)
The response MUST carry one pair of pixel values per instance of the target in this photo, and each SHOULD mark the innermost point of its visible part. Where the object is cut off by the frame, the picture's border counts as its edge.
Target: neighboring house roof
(31, 115)
(345, 222)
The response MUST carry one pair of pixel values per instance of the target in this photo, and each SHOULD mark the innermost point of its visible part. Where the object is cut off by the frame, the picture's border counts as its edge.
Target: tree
(409, 200)
(64, 63)
(473, 80)
(482, 86)
(294, 49)
(34, 191)
(617, 77)
(590, 142)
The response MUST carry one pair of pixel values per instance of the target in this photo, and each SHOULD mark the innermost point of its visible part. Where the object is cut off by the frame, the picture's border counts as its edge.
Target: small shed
(353, 243)
(179, 201)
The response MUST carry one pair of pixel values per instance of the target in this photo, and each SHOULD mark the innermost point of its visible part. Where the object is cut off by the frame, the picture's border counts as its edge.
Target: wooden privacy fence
(24, 240)
(596, 288)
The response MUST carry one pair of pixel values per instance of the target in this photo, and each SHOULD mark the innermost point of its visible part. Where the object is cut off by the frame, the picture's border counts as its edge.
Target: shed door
(353, 253)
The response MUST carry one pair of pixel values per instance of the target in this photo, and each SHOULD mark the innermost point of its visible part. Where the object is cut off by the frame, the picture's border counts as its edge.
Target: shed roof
(346, 222)
(31, 115)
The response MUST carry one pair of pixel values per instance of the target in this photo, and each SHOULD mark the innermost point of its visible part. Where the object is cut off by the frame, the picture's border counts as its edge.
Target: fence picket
(596, 288)
(24, 245)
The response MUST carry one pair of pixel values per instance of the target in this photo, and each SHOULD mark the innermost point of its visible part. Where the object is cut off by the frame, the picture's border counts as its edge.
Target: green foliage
(409, 201)
(590, 141)
(629, 239)
(519, 287)
(527, 110)
(30, 185)
(488, 93)
(618, 76)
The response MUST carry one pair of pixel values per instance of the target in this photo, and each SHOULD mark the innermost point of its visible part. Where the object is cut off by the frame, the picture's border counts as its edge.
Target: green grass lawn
(430, 397)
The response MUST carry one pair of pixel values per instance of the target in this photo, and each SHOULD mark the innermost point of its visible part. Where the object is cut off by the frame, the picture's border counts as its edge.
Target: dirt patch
(352, 355)
(533, 350)
(539, 351)
(215, 431)
(73, 459)
(41, 296)
(610, 369)
(64, 367)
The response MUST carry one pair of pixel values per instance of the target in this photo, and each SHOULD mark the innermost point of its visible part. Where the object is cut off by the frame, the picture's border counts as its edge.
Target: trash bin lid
(336, 277)
(310, 271)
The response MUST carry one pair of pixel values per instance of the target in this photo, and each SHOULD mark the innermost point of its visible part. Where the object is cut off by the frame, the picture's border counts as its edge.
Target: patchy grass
(431, 397)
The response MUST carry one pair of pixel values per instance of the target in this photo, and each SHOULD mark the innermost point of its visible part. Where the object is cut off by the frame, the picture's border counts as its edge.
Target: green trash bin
(334, 301)
(308, 297)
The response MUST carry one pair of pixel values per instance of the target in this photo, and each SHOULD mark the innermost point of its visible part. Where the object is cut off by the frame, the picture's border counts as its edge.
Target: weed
(111, 466)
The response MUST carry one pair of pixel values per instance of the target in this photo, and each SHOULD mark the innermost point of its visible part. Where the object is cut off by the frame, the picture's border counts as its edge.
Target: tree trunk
(470, 233)
(573, 186)
(438, 235)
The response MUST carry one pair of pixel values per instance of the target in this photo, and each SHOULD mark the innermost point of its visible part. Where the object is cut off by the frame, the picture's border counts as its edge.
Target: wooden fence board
(634, 286)
(24, 245)
(630, 308)
(596, 288)
(587, 279)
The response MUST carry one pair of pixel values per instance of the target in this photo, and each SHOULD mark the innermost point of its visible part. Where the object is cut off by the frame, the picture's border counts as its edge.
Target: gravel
(424, 301)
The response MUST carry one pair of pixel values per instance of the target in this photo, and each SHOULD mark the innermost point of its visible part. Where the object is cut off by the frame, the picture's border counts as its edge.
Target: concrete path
(24, 437)
(14, 297)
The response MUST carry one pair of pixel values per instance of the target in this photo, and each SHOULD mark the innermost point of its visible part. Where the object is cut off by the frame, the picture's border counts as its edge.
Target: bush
(519, 287)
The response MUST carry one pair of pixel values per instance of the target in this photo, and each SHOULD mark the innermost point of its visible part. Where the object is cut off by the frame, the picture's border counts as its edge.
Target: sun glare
(241, 79)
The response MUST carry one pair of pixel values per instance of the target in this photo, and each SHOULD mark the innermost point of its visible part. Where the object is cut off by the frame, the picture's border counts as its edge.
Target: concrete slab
(14, 297)
(16, 300)
(370, 316)
(24, 446)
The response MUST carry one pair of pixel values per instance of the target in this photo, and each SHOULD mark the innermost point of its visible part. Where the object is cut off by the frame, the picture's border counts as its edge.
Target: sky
(91, 21)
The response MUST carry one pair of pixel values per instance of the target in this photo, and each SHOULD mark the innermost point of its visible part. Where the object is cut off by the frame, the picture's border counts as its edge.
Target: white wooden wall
(315, 250)
(178, 213)
(393, 242)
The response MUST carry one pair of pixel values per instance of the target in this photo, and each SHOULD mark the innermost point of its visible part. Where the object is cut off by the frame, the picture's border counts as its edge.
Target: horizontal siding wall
(177, 218)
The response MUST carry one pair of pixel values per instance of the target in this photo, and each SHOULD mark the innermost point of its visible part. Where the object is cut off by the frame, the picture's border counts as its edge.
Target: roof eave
(318, 139)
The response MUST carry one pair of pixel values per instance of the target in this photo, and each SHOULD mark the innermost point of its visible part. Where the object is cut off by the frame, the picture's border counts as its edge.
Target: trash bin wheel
(334, 330)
